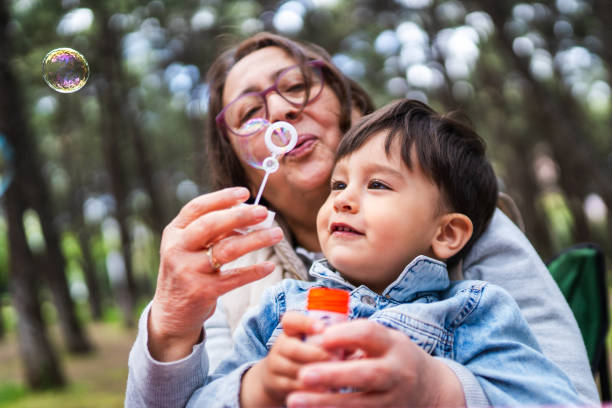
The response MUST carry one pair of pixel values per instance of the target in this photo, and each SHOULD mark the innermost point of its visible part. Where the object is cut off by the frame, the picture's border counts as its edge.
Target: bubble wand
(270, 165)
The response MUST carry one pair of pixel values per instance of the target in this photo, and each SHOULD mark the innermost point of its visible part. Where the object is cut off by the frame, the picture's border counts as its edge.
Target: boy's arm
(222, 388)
(269, 381)
(506, 358)
(252, 394)
(505, 257)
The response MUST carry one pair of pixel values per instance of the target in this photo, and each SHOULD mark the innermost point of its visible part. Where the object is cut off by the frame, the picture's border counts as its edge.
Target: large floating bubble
(65, 70)
(6, 165)
(253, 148)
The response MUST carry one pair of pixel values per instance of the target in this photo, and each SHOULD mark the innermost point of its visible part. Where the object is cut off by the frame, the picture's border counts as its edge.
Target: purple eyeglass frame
(220, 118)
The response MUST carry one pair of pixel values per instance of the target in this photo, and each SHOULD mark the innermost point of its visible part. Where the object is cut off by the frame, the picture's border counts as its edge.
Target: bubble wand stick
(270, 163)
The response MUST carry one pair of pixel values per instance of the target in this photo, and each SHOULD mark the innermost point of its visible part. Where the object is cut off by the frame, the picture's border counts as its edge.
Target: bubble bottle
(329, 305)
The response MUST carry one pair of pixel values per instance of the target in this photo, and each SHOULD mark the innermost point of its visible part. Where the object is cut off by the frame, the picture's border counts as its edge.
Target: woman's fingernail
(275, 233)
(310, 377)
(296, 402)
(259, 212)
(241, 193)
(267, 267)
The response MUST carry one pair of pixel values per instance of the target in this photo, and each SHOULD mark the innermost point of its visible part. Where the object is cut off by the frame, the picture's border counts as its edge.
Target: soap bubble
(253, 148)
(6, 165)
(65, 70)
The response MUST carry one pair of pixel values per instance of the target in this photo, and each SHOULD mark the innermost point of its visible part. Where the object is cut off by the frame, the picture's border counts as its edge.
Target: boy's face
(379, 214)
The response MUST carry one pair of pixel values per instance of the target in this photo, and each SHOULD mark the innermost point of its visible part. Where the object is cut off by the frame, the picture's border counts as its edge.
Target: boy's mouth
(341, 228)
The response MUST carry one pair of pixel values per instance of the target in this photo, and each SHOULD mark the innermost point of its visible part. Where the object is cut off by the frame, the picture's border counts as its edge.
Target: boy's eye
(338, 185)
(377, 185)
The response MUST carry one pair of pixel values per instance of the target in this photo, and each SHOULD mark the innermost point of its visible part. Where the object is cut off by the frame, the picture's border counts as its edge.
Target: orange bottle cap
(332, 300)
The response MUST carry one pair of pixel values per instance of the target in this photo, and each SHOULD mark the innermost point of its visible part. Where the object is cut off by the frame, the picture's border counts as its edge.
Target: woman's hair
(449, 151)
(224, 165)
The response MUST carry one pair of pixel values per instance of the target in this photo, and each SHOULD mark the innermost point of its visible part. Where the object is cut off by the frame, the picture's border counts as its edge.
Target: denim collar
(422, 275)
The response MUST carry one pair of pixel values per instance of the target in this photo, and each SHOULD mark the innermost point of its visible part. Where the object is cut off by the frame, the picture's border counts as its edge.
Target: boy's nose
(345, 202)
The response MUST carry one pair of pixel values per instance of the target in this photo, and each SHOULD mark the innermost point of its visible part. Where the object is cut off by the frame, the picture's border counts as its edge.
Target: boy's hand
(269, 381)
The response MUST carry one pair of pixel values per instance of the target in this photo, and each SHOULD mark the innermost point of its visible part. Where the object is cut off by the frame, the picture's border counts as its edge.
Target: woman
(271, 77)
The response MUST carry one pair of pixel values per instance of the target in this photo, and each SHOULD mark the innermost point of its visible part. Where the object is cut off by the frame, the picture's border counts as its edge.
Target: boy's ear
(454, 231)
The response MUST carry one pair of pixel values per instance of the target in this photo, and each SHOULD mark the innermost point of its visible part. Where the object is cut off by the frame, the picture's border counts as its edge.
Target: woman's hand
(393, 372)
(188, 284)
(269, 381)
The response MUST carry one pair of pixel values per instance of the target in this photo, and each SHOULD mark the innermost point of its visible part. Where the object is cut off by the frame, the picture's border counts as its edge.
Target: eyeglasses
(248, 114)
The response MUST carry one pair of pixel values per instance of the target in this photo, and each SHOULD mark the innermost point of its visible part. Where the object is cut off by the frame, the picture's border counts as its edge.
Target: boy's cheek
(323, 220)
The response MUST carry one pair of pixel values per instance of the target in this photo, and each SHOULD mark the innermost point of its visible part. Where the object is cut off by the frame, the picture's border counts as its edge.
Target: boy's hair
(450, 152)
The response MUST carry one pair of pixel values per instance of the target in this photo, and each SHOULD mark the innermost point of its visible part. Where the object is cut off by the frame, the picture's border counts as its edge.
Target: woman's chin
(310, 175)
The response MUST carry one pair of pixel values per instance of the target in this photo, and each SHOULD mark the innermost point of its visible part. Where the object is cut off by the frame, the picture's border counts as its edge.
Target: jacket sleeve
(505, 257)
(497, 346)
(222, 387)
(156, 384)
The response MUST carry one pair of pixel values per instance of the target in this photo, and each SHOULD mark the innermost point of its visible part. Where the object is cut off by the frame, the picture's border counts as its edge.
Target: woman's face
(308, 166)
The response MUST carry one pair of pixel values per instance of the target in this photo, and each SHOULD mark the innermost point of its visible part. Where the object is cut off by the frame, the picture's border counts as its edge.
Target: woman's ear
(454, 231)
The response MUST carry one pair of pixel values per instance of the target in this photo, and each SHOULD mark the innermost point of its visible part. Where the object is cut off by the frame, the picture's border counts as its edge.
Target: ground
(95, 380)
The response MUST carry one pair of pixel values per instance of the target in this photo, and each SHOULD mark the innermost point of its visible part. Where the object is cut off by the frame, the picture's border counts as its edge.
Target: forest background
(89, 179)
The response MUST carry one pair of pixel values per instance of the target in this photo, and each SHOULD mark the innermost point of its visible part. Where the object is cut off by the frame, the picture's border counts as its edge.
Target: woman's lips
(304, 146)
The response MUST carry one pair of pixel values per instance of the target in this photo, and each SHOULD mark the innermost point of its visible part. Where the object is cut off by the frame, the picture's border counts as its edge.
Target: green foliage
(11, 393)
(560, 219)
(9, 316)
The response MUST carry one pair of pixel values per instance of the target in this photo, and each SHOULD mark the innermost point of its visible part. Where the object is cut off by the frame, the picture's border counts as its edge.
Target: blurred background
(89, 179)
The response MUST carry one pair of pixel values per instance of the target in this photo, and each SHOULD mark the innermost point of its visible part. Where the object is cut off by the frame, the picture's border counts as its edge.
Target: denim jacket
(473, 323)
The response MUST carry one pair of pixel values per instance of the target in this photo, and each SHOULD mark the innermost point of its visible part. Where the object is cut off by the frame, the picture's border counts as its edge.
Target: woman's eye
(338, 185)
(377, 185)
(250, 113)
(294, 88)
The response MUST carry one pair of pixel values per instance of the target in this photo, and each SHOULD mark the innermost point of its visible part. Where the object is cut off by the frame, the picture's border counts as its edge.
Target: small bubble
(65, 70)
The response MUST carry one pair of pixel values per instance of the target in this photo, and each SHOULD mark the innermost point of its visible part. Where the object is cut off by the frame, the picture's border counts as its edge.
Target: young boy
(410, 191)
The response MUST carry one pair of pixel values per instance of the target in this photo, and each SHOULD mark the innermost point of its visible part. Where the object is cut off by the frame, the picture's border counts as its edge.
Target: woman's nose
(345, 201)
(280, 109)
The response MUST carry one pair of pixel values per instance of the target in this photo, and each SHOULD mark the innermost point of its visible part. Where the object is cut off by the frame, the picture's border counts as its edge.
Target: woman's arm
(495, 343)
(152, 383)
(505, 257)
(188, 287)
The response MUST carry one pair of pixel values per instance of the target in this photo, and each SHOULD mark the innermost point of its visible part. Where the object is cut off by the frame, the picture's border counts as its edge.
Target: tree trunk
(145, 167)
(89, 270)
(112, 134)
(76, 340)
(603, 10)
(75, 203)
(41, 364)
(35, 195)
(42, 368)
(561, 118)
(521, 181)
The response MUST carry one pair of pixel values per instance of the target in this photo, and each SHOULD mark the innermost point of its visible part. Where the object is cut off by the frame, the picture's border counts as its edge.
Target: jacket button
(368, 300)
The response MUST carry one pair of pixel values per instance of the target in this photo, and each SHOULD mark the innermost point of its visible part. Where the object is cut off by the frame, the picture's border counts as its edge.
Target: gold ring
(214, 263)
